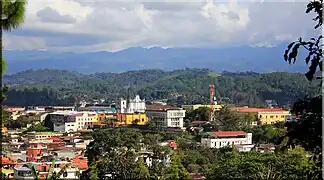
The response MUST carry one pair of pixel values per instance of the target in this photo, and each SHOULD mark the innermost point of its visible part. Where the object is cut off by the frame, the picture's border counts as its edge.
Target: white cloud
(118, 24)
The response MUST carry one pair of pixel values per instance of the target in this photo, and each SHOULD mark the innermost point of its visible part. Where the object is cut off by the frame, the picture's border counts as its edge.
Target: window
(271, 116)
(260, 116)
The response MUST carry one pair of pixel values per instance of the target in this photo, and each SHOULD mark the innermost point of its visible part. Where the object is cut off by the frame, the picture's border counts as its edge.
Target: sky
(112, 25)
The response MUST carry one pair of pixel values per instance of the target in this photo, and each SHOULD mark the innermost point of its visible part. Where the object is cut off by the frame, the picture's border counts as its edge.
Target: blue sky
(99, 25)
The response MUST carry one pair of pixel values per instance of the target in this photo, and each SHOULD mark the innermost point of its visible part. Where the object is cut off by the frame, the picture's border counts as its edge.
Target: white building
(135, 105)
(166, 116)
(221, 139)
(291, 118)
(72, 121)
(23, 173)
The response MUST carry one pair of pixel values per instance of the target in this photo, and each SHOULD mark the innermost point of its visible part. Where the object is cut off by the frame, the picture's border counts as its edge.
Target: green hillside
(192, 85)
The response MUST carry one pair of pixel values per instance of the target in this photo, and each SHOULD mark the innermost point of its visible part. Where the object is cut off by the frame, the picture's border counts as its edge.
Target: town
(161, 90)
(70, 130)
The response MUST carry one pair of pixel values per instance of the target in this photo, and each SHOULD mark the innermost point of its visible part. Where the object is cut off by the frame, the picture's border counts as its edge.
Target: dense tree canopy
(180, 86)
(189, 157)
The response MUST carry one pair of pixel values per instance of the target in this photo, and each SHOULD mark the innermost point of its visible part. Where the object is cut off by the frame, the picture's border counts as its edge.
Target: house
(72, 120)
(221, 139)
(42, 135)
(15, 112)
(42, 169)
(245, 147)
(166, 116)
(264, 115)
(23, 173)
(292, 118)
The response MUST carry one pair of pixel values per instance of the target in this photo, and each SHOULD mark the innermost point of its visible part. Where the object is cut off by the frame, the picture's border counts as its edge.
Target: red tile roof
(81, 163)
(197, 176)
(173, 144)
(55, 139)
(199, 122)
(229, 133)
(160, 108)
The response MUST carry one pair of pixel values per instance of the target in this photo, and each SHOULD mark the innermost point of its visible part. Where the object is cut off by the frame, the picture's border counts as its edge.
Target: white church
(136, 105)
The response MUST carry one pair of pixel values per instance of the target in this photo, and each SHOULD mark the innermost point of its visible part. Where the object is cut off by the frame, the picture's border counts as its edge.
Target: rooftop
(161, 108)
(247, 109)
(229, 133)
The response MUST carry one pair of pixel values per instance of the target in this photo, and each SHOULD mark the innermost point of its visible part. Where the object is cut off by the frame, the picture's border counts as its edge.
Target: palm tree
(12, 15)
(52, 175)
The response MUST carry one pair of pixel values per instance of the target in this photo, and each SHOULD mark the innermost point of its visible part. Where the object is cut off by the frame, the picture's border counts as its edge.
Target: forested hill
(54, 87)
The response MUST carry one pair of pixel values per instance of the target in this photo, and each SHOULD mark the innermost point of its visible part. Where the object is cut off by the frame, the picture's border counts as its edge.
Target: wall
(129, 118)
(158, 117)
(272, 117)
(175, 118)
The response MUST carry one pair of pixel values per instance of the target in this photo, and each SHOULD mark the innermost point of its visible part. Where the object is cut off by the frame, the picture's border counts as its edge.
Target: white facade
(245, 147)
(135, 105)
(72, 121)
(167, 118)
(219, 142)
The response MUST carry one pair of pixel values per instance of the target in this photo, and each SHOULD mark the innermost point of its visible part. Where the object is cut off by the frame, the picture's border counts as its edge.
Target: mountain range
(233, 59)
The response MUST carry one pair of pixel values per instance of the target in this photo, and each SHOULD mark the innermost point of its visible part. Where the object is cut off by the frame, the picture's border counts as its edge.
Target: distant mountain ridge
(235, 59)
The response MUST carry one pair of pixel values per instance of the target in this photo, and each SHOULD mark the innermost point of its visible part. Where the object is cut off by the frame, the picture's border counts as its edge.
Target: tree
(176, 169)
(52, 175)
(255, 165)
(227, 120)
(201, 114)
(13, 14)
(115, 153)
(313, 46)
(307, 131)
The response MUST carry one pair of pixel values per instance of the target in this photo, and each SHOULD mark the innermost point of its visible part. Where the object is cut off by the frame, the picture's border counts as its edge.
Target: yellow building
(105, 118)
(42, 135)
(131, 118)
(265, 115)
(216, 107)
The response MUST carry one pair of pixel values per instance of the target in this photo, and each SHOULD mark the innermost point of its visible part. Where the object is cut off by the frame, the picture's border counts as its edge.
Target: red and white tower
(211, 105)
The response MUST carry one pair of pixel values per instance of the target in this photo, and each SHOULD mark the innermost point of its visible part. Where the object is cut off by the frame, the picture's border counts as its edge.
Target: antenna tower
(211, 103)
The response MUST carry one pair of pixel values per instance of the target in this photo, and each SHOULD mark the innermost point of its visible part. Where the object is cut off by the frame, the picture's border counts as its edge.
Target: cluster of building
(42, 151)
(68, 141)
